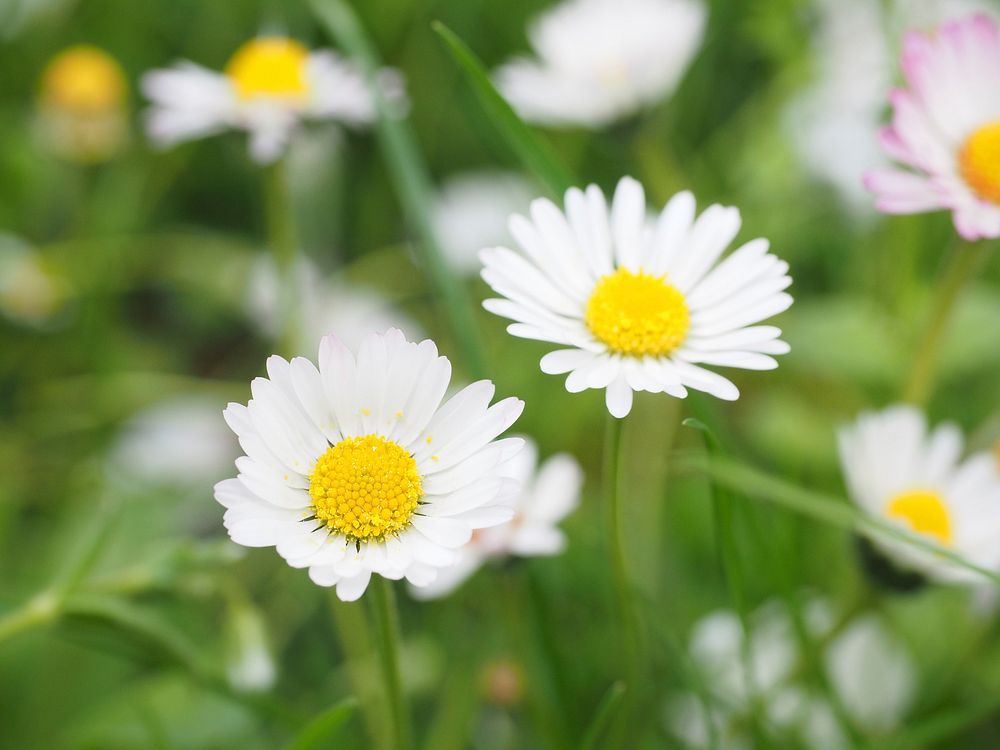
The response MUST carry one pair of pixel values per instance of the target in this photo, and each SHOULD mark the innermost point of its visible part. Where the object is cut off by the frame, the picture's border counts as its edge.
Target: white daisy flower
(899, 471)
(602, 60)
(357, 468)
(268, 87)
(471, 212)
(640, 307)
(547, 494)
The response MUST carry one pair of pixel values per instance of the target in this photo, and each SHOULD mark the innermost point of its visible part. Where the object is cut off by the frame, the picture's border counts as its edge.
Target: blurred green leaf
(605, 713)
(325, 728)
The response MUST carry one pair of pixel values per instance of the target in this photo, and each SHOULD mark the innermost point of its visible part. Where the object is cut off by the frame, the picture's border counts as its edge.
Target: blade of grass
(325, 728)
(410, 177)
(527, 146)
(606, 710)
(939, 728)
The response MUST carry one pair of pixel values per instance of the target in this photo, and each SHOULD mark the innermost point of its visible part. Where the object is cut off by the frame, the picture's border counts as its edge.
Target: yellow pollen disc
(924, 512)
(269, 66)
(365, 488)
(979, 162)
(637, 313)
(83, 80)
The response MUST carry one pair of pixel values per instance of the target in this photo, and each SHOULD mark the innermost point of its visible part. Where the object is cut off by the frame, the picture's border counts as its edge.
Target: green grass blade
(324, 729)
(606, 711)
(527, 146)
(411, 179)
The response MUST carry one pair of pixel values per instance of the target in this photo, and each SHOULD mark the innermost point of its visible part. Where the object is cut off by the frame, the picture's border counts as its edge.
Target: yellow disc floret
(925, 512)
(269, 66)
(83, 80)
(638, 314)
(979, 162)
(365, 488)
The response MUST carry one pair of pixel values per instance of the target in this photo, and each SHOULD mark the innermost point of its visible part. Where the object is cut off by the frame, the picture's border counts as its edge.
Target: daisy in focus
(546, 495)
(639, 306)
(946, 128)
(898, 470)
(356, 467)
(269, 86)
(599, 61)
(83, 108)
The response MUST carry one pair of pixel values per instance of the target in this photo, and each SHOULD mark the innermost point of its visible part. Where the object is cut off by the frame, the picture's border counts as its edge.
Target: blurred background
(137, 299)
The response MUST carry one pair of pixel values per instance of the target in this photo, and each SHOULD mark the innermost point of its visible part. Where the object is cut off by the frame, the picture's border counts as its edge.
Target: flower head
(640, 306)
(83, 104)
(268, 87)
(546, 495)
(601, 60)
(32, 291)
(355, 467)
(946, 128)
(899, 471)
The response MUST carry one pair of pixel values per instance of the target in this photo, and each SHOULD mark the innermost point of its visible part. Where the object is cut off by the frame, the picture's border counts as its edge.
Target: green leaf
(534, 153)
(606, 710)
(410, 178)
(322, 730)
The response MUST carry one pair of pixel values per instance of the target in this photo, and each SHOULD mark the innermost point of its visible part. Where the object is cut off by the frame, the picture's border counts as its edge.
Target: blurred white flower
(83, 105)
(869, 672)
(639, 305)
(326, 306)
(601, 60)
(178, 441)
(471, 212)
(546, 495)
(269, 86)
(356, 467)
(250, 666)
(31, 292)
(898, 470)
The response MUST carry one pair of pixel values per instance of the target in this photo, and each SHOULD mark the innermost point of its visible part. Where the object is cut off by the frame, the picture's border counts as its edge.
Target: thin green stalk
(283, 243)
(40, 610)
(965, 260)
(411, 179)
(629, 633)
(387, 627)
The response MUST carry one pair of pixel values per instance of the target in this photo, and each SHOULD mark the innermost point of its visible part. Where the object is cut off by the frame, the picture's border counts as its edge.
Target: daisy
(602, 60)
(269, 86)
(898, 470)
(357, 468)
(946, 128)
(640, 307)
(82, 105)
(546, 495)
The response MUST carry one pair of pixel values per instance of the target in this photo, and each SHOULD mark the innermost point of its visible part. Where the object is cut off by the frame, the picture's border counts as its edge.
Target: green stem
(629, 622)
(387, 626)
(965, 260)
(40, 610)
(283, 243)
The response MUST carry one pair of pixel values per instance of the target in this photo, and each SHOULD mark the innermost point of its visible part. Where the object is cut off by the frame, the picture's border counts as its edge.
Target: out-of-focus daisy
(83, 112)
(601, 60)
(471, 213)
(327, 305)
(177, 441)
(640, 307)
(544, 498)
(868, 671)
(899, 471)
(250, 665)
(946, 128)
(269, 86)
(357, 468)
(30, 290)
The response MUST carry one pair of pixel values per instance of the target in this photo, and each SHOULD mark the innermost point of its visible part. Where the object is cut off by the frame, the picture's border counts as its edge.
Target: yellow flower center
(925, 512)
(269, 66)
(83, 80)
(365, 488)
(979, 162)
(637, 313)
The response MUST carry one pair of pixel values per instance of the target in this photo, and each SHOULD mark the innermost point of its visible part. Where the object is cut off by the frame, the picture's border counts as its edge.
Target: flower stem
(387, 627)
(628, 617)
(965, 260)
(283, 243)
